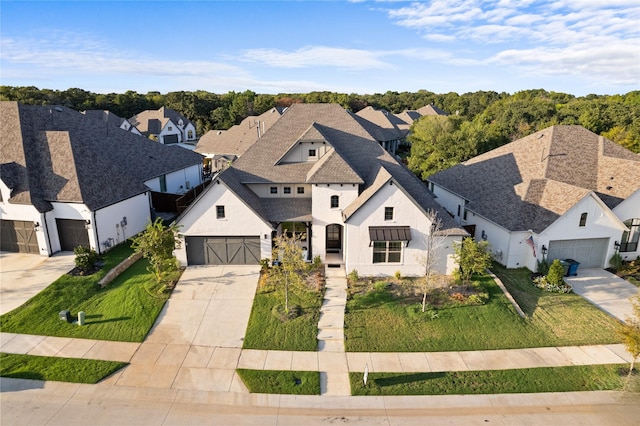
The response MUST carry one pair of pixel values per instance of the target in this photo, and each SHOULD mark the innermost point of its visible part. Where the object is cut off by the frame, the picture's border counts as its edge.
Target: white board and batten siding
(359, 254)
(200, 220)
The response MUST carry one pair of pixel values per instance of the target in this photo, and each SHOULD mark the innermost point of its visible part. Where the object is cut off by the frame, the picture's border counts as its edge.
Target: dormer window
(335, 201)
(273, 190)
(583, 219)
(312, 153)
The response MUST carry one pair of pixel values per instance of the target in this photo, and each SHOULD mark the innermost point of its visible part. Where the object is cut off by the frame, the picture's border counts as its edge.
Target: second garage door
(18, 236)
(223, 250)
(72, 233)
(589, 252)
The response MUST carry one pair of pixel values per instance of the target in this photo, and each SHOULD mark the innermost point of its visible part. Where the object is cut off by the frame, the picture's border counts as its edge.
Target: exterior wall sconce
(484, 235)
(87, 224)
(544, 249)
(36, 226)
(616, 245)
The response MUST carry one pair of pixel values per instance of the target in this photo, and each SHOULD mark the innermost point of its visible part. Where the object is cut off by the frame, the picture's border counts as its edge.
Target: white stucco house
(319, 173)
(67, 179)
(110, 118)
(561, 193)
(166, 126)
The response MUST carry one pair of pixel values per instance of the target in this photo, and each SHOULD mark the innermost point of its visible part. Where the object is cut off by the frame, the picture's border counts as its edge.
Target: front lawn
(381, 320)
(72, 370)
(267, 331)
(123, 311)
(281, 382)
(530, 380)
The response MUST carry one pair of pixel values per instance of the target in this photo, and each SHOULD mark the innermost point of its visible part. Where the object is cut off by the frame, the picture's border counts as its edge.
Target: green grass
(266, 331)
(531, 380)
(378, 322)
(123, 311)
(72, 370)
(281, 382)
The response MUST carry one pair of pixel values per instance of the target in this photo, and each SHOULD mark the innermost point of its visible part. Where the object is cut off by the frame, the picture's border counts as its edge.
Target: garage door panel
(18, 236)
(72, 233)
(223, 250)
(590, 252)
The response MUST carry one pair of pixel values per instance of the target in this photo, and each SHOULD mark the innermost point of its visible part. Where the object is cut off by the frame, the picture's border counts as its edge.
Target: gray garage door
(72, 234)
(589, 252)
(18, 236)
(223, 250)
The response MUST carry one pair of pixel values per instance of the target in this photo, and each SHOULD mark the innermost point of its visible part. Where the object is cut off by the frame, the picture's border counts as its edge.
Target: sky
(364, 47)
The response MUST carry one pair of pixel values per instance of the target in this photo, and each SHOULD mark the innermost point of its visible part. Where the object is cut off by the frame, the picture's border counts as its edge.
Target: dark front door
(334, 238)
(72, 233)
(18, 236)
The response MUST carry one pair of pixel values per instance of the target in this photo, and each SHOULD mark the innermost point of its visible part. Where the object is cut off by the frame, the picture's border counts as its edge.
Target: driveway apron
(22, 275)
(607, 291)
(196, 341)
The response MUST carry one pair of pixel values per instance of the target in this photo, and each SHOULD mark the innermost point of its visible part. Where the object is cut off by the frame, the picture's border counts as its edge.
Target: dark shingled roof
(52, 153)
(529, 183)
(353, 157)
(150, 122)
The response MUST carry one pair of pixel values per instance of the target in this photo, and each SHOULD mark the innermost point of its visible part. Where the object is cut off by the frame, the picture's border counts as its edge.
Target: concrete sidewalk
(605, 290)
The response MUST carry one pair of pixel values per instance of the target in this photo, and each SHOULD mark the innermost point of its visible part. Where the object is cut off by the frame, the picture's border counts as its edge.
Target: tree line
(478, 121)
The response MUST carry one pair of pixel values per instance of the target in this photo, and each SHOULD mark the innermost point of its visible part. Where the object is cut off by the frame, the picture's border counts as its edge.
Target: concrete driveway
(196, 341)
(22, 276)
(605, 290)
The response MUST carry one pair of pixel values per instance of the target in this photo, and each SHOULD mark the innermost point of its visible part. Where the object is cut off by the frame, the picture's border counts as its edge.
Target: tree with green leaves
(156, 244)
(288, 249)
(473, 257)
(629, 331)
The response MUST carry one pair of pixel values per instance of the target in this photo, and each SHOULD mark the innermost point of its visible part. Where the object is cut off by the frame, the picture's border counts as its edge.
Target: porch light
(616, 245)
(544, 249)
(87, 224)
(36, 226)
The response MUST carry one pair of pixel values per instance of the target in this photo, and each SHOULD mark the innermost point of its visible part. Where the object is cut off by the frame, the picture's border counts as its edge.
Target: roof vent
(59, 109)
(609, 188)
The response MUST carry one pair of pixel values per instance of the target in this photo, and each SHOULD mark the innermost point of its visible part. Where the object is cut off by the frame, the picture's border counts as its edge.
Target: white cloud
(317, 56)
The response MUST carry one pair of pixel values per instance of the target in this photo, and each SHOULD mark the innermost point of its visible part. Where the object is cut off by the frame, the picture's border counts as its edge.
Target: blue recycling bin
(572, 271)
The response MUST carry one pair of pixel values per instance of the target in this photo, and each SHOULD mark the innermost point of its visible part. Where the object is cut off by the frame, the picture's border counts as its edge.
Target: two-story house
(166, 126)
(68, 179)
(317, 172)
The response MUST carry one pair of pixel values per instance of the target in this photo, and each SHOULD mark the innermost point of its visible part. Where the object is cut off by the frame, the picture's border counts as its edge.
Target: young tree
(630, 333)
(555, 274)
(289, 252)
(435, 241)
(472, 257)
(156, 244)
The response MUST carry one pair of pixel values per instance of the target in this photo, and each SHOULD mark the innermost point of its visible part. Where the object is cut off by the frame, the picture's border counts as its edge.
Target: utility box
(65, 316)
(81, 318)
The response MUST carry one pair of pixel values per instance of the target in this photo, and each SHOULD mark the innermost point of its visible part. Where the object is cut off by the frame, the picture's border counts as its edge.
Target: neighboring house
(222, 147)
(166, 126)
(112, 119)
(382, 126)
(317, 173)
(406, 118)
(561, 193)
(67, 179)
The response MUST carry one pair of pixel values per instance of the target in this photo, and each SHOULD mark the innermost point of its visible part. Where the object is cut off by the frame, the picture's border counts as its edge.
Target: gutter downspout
(46, 228)
(95, 226)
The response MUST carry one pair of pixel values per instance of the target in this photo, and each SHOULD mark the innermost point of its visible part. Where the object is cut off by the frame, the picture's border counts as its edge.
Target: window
(220, 212)
(170, 128)
(583, 219)
(190, 134)
(630, 238)
(312, 153)
(388, 213)
(295, 228)
(458, 209)
(273, 190)
(387, 251)
(163, 183)
(464, 214)
(335, 201)
(287, 190)
(301, 190)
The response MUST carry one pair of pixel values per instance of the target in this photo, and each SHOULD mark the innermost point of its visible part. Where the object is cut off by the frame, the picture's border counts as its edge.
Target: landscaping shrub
(543, 267)
(556, 271)
(86, 259)
(353, 276)
(616, 262)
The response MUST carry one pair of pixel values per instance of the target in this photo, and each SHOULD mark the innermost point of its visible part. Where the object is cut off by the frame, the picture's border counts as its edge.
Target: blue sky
(364, 47)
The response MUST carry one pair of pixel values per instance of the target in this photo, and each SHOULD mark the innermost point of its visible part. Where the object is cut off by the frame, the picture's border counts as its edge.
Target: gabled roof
(153, 121)
(105, 116)
(430, 110)
(353, 157)
(52, 153)
(529, 183)
(380, 124)
(240, 137)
